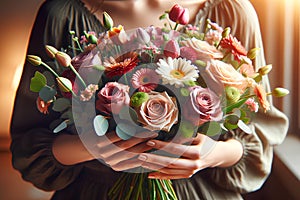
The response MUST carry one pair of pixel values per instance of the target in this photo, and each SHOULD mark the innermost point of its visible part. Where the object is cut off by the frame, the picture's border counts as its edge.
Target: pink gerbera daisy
(145, 80)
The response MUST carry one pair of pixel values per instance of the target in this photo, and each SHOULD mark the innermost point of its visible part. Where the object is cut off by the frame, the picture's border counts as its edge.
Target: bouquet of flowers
(174, 82)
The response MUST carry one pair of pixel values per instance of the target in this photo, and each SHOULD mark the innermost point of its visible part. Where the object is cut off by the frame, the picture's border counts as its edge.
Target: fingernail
(142, 157)
(151, 143)
(154, 135)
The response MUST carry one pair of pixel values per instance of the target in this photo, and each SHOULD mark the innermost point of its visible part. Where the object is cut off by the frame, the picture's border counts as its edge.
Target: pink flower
(252, 105)
(145, 80)
(179, 14)
(188, 53)
(160, 112)
(112, 97)
(203, 105)
(172, 49)
(204, 51)
(88, 93)
(247, 70)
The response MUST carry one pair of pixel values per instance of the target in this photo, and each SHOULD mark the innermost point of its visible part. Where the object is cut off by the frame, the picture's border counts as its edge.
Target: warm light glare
(17, 77)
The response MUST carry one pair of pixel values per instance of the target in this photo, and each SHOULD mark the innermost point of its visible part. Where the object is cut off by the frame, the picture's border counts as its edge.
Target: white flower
(177, 71)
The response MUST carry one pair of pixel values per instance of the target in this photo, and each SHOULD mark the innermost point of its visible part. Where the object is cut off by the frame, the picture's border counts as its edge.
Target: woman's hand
(202, 152)
(119, 154)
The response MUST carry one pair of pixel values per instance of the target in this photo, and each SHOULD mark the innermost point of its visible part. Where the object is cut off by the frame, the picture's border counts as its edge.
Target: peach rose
(226, 75)
(160, 112)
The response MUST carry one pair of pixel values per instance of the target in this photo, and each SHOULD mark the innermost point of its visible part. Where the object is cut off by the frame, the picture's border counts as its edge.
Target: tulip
(179, 14)
(142, 35)
(63, 59)
(34, 60)
(51, 51)
(172, 49)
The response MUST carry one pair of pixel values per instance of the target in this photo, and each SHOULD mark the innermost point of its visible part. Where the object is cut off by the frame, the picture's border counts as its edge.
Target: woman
(240, 163)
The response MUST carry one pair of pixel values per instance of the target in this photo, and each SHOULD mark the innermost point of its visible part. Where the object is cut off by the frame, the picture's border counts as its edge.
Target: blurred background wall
(280, 29)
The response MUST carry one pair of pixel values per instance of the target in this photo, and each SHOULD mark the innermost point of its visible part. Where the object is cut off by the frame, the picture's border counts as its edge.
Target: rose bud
(280, 92)
(91, 38)
(107, 21)
(34, 60)
(265, 70)
(51, 51)
(172, 49)
(179, 15)
(252, 53)
(63, 59)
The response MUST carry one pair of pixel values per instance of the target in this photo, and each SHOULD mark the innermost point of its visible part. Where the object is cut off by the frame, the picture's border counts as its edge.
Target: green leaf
(211, 128)
(100, 125)
(47, 93)
(37, 82)
(235, 105)
(125, 131)
(61, 104)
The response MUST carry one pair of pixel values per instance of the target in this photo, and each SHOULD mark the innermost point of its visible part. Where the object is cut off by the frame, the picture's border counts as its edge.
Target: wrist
(69, 150)
(224, 154)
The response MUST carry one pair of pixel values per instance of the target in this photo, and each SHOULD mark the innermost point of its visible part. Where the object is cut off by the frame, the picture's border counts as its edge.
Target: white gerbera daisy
(177, 71)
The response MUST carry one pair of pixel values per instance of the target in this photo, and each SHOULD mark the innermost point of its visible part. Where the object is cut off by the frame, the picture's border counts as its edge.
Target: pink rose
(204, 50)
(160, 112)
(112, 97)
(203, 105)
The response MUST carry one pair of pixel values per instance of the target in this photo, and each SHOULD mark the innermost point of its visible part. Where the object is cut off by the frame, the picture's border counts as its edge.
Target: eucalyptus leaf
(122, 131)
(50, 78)
(37, 82)
(47, 93)
(100, 125)
(244, 127)
(214, 128)
(61, 126)
(61, 104)
(128, 113)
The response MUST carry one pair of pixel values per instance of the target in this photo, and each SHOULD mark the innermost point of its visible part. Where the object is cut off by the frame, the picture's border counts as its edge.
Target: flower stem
(78, 75)
(57, 76)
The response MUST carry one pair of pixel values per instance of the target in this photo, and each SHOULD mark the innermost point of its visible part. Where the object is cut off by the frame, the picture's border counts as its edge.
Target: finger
(180, 150)
(170, 171)
(123, 145)
(165, 161)
(127, 165)
(126, 155)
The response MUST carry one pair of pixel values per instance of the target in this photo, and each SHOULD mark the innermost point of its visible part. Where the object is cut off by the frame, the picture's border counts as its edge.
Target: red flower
(179, 14)
(121, 65)
(234, 46)
(42, 106)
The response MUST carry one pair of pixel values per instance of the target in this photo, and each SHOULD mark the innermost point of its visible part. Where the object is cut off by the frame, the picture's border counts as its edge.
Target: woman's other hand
(185, 160)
